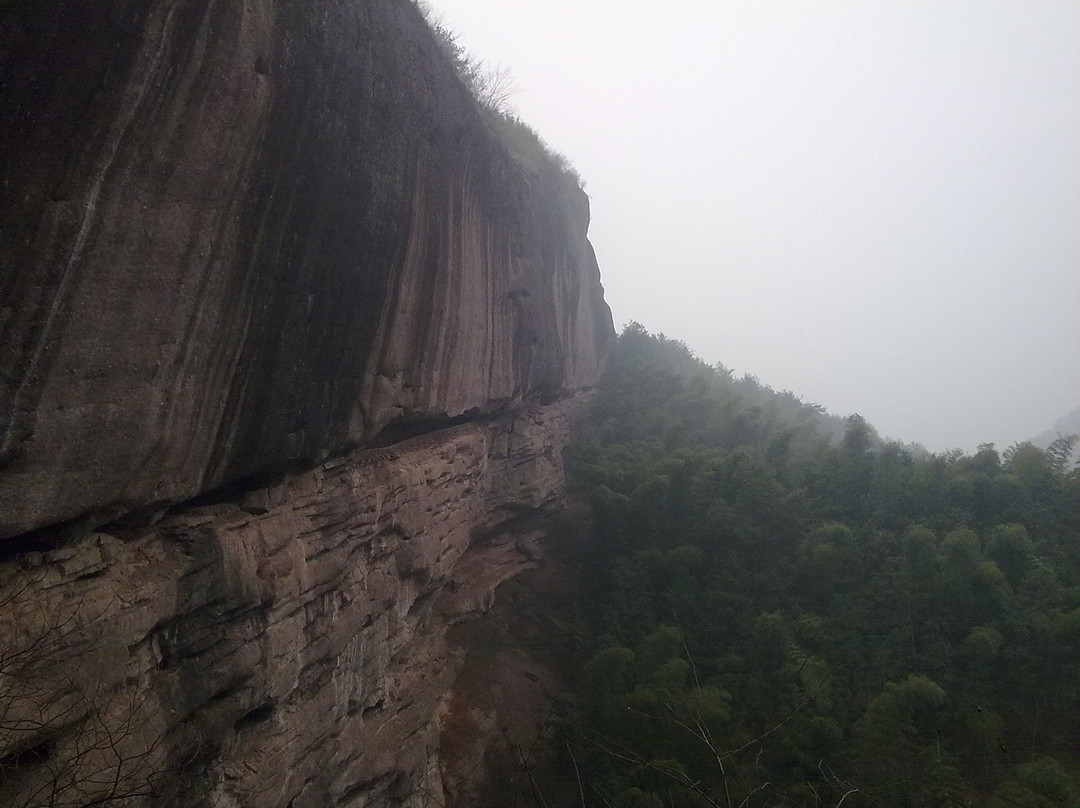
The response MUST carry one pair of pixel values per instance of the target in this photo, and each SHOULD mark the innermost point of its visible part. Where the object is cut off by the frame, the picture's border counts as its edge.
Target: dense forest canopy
(783, 609)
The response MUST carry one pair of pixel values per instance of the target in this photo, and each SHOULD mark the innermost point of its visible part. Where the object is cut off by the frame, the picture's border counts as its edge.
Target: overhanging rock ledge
(290, 339)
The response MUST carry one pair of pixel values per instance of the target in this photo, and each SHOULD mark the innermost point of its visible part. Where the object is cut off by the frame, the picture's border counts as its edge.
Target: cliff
(288, 649)
(239, 237)
(290, 342)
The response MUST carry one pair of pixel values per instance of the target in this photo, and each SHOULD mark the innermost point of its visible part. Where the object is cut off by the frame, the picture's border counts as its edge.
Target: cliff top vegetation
(493, 87)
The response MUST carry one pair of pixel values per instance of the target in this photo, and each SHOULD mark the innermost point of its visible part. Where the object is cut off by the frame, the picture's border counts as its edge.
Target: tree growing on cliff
(65, 740)
(492, 85)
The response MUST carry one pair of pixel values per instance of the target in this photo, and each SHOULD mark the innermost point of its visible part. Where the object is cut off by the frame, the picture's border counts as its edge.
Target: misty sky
(875, 205)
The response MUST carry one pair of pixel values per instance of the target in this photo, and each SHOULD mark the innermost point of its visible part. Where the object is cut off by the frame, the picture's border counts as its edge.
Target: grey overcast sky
(873, 204)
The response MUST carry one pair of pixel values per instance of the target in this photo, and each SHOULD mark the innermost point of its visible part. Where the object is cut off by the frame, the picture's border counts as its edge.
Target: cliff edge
(290, 341)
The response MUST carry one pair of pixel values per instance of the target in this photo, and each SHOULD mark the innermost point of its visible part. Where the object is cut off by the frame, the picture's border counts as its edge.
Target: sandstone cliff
(288, 649)
(289, 341)
(239, 236)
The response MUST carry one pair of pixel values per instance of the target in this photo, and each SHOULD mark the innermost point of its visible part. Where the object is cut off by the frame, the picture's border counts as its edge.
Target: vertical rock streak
(296, 230)
(241, 242)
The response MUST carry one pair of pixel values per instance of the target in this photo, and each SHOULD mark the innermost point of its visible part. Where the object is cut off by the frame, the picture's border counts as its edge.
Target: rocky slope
(290, 341)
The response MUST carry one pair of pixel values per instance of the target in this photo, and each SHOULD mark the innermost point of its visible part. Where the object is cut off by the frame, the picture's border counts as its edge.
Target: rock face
(289, 341)
(238, 236)
(288, 649)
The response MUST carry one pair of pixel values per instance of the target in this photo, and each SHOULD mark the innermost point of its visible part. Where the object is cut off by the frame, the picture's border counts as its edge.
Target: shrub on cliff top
(493, 87)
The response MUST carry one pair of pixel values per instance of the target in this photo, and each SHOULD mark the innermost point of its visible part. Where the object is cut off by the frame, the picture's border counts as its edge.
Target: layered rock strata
(288, 340)
(287, 649)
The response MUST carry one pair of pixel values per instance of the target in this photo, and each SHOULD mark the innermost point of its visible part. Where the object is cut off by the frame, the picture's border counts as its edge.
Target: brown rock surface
(243, 244)
(286, 650)
(240, 237)
(502, 722)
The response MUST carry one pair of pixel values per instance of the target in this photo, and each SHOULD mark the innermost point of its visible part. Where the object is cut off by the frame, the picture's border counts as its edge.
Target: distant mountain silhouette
(1066, 425)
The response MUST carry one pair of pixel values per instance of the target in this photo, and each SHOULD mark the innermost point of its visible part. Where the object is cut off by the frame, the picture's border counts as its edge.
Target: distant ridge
(1066, 425)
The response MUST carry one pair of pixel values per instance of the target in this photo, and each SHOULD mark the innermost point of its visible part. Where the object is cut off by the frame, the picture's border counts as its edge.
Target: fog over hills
(874, 205)
(1065, 425)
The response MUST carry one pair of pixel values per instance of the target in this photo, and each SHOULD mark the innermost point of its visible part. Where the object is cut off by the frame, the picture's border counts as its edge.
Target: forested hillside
(775, 617)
